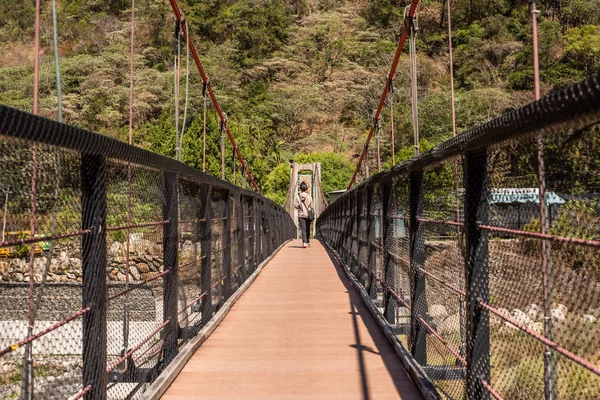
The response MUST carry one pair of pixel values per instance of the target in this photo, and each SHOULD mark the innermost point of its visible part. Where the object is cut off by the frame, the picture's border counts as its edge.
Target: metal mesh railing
(112, 258)
(450, 247)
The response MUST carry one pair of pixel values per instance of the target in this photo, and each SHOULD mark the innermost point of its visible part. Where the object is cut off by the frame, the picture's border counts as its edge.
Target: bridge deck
(300, 331)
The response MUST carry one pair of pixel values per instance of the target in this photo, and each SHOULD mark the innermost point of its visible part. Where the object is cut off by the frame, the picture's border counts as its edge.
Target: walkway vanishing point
(289, 337)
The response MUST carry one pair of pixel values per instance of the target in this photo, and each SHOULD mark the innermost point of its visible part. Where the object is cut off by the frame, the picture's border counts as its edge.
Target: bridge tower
(311, 174)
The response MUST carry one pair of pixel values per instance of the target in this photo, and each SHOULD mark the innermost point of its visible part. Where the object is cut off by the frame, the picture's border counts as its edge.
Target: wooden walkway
(301, 331)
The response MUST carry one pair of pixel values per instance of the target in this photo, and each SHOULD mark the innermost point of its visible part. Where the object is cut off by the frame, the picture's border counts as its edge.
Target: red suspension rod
(211, 93)
(390, 77)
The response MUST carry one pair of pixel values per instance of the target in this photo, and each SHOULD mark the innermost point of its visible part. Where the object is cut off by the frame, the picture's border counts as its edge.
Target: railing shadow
(383, 348)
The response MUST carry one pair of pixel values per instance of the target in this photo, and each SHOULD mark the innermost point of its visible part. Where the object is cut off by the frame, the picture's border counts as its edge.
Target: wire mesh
(493, 294)
(111, 259)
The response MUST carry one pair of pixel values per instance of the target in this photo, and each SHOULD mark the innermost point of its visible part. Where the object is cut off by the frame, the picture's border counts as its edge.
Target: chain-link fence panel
(481, 254)
(112, 258)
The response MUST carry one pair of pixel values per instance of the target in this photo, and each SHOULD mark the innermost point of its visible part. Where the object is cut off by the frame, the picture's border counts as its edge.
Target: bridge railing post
(372, 252)
(476, 209)
(241, 239)
(93, 257)
(251, 235)
(227, 248)
(418, 336)
(206, 250)
(387, 205)
(170, 333)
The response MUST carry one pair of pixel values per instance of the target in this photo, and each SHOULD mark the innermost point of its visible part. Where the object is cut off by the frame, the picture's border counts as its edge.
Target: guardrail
(143, 250)
(448, 247)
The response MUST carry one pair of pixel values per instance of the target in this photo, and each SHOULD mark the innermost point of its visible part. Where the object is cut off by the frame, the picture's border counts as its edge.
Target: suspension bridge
(127, 274)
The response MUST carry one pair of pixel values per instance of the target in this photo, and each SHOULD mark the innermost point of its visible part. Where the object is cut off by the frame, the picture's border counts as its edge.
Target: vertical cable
(393, 139)
(378, 146)
(57, 160)
(187, 93)
(412, 45)
(451, 71)
(550, 362)
(204, 87)
(28, 356)
(176, 71)
(129, 179)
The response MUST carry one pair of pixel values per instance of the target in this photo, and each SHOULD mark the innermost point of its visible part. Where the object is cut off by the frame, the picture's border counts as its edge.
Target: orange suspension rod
(390, 77)
(204, 76)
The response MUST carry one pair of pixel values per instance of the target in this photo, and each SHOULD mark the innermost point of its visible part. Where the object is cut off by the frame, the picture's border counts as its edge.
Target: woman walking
(304, 205)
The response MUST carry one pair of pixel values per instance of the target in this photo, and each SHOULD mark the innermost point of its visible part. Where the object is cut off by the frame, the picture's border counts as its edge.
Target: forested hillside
(298, 78)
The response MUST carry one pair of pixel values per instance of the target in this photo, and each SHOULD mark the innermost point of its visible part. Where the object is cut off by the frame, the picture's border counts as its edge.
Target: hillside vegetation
(298, 78)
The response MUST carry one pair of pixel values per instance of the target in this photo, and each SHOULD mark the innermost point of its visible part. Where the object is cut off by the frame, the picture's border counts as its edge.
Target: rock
(120, 276)
(63, 258)
(537, 327)
(534, 312)
(403, 312)
(437, 311)
(147, 275)
(54, 265)
(71, 277)
(114, 272)
(115, 249)
(75, 262)
(563, 309)
(143, 267)
(18, 277)
(558, 315)
(3, 268)
(589, 318)
(520, 317)
(450, 324)
(134, 273)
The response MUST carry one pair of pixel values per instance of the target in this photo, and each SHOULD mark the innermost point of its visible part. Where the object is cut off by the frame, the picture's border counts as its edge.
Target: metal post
(93, 261)
(412, 44)
(241, 240)
(251, 233)
(356, 235)
(6, 193)
(550, 362)
(170, 248)
(416, 231)
(206, 251)
(371, 285)
(389, 266)
(227, 247)
(476, 274)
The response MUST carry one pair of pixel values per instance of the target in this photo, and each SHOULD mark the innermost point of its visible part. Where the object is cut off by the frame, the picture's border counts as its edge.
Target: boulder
(143, 267)
(450, 324)
(134, 273)
(115, 249)
(558, 315)
(537, 327)
(18, 277)
(534, 312)
(437, 311)
(589, 318)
